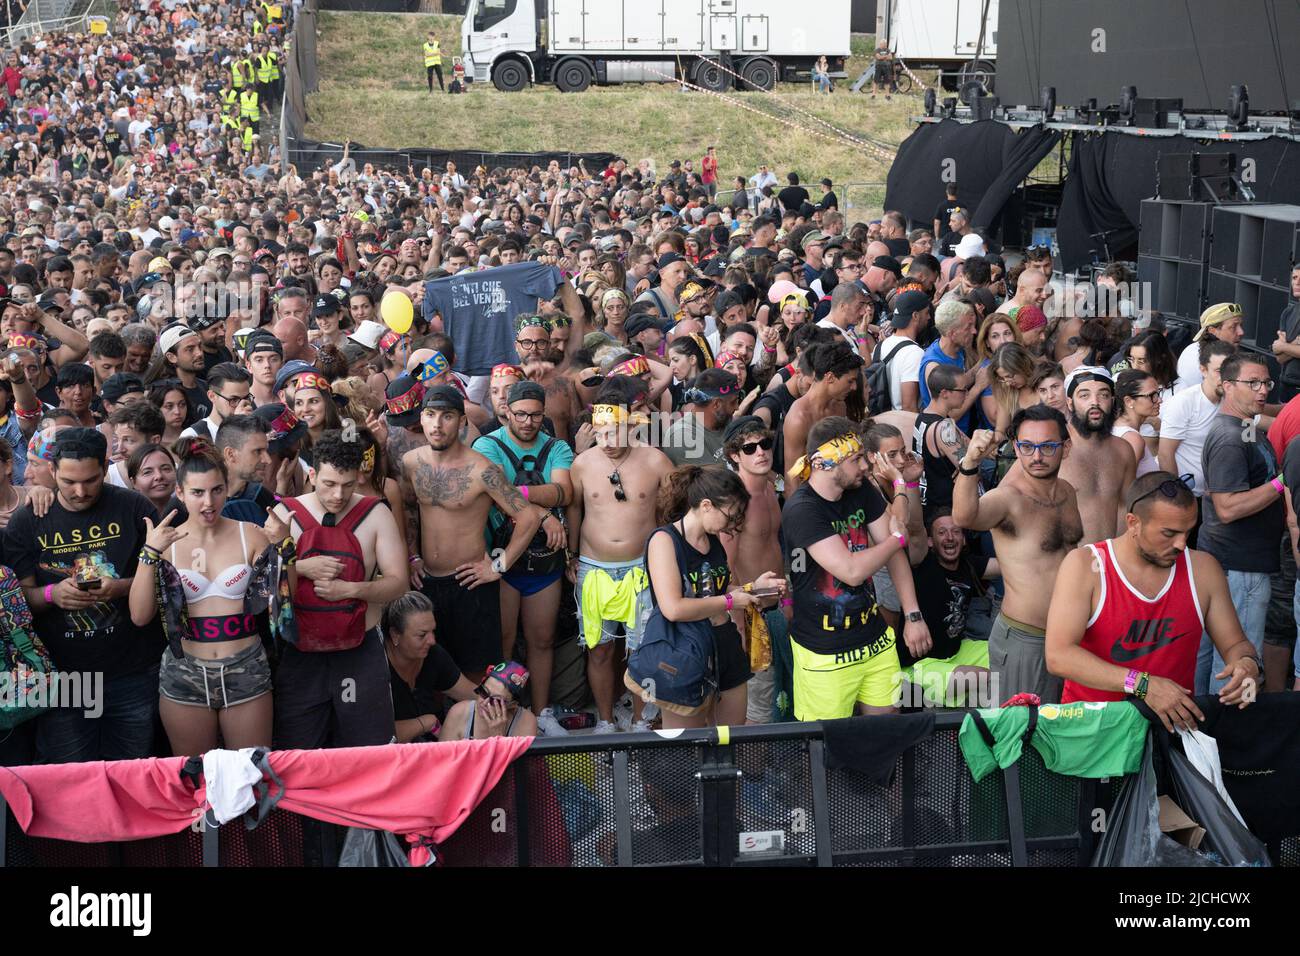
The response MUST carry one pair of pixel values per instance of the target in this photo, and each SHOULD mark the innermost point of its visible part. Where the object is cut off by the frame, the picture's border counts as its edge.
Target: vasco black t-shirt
(831, 617)
(438, 675)
(105, 542)
(944, 598)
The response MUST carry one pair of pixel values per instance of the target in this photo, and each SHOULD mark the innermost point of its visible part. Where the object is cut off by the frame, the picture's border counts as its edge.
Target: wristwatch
(915, 617)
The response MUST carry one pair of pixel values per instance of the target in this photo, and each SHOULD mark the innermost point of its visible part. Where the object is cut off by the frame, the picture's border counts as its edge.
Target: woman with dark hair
(169, 397)
(313, 403)
(215, 680)
(1150, 353)
(1137, 401)
(687, 358)
(421, 673)
(691, 581)
(1092, 346)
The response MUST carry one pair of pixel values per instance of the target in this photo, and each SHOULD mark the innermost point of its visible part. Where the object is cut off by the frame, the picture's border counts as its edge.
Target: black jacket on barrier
(872, 745)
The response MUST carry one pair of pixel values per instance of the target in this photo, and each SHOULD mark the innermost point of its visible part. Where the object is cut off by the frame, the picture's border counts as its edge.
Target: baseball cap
(969, 247)
(121, 384)
(157, 264)
(889, 264)
(816, 237)
(906, 305)
(368, 334)
(286, 430)
(326, 305)
(444, 397)
(1087, 373)
(1030, 317)
(262, 341)
(638, 323)
(780, 289)
(188, 234)
(745, 423)
(522, 392)
(1216, 315)
(172, 336)
(292, 370)
(668, 259)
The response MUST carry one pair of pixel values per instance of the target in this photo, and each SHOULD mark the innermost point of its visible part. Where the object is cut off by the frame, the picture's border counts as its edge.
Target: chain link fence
(861, 202)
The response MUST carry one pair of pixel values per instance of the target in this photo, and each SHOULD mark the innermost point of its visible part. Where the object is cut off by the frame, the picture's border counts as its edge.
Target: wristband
(769, 351)
(902, 541)
(787, 602)
(49, 594)
(1130, 681)
(1278, 485)
(523, 490)
(963, 470)
(415, 557)
(913, 484)
(1143, 680)
(730, 601)
(900, 483)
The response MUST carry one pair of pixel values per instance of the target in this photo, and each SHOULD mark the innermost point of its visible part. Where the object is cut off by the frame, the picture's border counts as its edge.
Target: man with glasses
(229, 392)
(1101, 465)
(1034, 517)
(1127, 614)
(541, 464)
(1244, 509)
(610, 517)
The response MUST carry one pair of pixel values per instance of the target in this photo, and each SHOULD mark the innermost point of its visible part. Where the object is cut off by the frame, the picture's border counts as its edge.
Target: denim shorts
(609, 630)
(215, 684)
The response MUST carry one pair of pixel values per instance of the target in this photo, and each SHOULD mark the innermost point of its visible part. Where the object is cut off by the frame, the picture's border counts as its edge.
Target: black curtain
(1111, 173)
(1020, 154)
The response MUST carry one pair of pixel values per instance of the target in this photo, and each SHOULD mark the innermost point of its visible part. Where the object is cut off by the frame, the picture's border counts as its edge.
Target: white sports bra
(230, 583)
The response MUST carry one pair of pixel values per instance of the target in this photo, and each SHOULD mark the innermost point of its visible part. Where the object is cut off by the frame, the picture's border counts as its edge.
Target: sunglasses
(617, 481)
(752, 447)
(1166, 489)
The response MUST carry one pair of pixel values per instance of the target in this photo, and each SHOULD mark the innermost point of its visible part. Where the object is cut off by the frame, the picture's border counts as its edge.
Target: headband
(41, 447)
(507, 371)
(692, 290)
(532, 322)
(310, 380)
(726, 357)
(703, 343)
(608, 415)
(20, 340)
(827, 456)
(797, 298)
(612, 294)
(408, 402)
(512, 674)
(434, 367)
(368, 459)
(561, 322)
(389, 341)
(633, 366)
(697, 394)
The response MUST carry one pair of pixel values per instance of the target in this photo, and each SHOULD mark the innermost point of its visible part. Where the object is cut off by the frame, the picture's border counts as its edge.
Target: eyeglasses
(527, 416)
(1255, 385)
(1048, 448)
(235, 400)
(531, 344)
(1167, 489)
(1154, 396)
(617, 481)
(752, 447)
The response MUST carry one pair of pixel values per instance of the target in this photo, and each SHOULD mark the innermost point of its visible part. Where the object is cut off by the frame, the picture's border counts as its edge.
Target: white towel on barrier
(229, 776)
(1203, 751)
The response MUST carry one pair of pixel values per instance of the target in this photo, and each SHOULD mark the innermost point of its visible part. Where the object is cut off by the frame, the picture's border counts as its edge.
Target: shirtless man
(453, 487)
(542, 365)
(1034, 516)
(1097, 469)
(835, 368)
(756, 548)
(615, 488)
(309, 700)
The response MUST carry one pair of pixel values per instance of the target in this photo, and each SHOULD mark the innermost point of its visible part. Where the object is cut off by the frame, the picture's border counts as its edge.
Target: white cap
(171, 337)
(1087, 372)
(368, 334)
(970, 246)
(166, 222)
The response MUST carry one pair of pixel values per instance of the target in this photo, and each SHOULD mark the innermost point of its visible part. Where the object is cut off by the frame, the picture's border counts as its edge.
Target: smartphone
(94, 584)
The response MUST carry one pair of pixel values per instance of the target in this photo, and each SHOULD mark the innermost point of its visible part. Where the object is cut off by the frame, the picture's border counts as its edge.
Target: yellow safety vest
(263, 68)
(432, 54)
(274, 59)
(230, 101)
(241, 72)
(257, 27)
(248, 138)
(229, 121)
(248, 108)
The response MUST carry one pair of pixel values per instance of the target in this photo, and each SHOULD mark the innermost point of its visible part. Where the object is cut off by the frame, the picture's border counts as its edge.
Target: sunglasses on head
(1166, 489)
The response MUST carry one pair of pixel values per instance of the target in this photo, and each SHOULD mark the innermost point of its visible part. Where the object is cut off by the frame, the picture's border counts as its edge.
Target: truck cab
(501, 30)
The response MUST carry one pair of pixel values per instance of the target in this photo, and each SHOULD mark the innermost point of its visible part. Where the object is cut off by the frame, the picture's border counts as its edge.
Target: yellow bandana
(608, 415)
(633, 366)
(827, 456)
(368, 459)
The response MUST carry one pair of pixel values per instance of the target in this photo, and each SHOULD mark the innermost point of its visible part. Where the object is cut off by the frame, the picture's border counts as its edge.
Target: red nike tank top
(1160, 635)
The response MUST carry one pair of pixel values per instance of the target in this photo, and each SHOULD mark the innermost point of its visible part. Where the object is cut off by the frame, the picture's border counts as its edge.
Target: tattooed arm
(512, 504)
(411, 529)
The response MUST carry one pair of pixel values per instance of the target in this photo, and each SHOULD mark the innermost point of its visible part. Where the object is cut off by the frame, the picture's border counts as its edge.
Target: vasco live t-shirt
(830, 616)
(105, 542)
(478, 310)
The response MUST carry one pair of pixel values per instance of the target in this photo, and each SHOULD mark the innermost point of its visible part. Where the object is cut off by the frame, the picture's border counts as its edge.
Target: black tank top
(936, 484)
(704, 575)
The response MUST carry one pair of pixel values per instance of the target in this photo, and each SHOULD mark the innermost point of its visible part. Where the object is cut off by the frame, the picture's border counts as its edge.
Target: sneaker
(641, 727)
(548, 726)
(649, 711)
(604, 727)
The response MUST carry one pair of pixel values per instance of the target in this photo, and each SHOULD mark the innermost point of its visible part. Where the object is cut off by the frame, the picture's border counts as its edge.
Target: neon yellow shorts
(826, 686)
(934, 678)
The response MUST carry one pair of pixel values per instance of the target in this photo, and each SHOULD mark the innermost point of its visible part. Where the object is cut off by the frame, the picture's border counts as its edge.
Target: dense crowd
(432, 436)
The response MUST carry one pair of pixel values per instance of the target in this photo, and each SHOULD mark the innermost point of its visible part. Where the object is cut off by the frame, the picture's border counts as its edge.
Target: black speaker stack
(1197, 177)
(1194, 254)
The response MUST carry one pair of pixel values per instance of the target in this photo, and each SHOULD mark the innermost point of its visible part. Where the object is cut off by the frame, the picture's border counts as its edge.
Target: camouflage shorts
(215, 684)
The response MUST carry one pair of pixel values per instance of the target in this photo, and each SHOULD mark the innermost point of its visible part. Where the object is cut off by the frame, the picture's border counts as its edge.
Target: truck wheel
(510, 76)
(572, 76)
(981, 70)
(710, 75)
(760, 75)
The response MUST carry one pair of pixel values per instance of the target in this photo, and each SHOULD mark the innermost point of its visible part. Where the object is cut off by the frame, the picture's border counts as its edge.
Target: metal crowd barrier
(745, 796)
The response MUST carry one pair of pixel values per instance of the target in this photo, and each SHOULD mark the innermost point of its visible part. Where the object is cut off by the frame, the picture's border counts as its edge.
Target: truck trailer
(714, 44)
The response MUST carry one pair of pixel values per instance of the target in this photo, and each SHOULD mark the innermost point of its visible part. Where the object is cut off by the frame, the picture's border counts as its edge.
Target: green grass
(372, 90)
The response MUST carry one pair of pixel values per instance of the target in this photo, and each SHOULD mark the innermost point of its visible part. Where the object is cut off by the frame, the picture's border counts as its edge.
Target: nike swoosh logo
(1123, 655)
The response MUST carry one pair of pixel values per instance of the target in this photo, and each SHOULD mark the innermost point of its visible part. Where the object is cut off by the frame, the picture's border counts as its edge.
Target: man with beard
(1101, 466)
(542, 364)
(448, 488)
(183, 352)
(1034, 516)
(244, 446)
(610, 517)
(540, 464)
(1128, 613)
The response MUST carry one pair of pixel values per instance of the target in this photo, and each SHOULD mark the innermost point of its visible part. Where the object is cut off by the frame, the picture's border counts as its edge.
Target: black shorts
(468, 622)
(335, 698)
(733, 662)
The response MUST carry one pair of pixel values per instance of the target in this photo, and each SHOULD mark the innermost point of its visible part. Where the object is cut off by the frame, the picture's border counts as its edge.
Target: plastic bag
(369, 848)
(760, 640)
(1226, 837)
(1203, 751)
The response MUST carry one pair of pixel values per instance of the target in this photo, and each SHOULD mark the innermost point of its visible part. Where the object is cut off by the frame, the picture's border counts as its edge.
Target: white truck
(575, 43)
(958, 36)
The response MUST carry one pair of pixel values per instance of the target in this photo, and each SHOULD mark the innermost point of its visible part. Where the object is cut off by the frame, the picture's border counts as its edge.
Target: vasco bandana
(368, 459)
(827, 456)
(602, 415)
(633, 366)
(507, 371)
(311, 380)
(389, 341)
(408, 402)
(432, 368)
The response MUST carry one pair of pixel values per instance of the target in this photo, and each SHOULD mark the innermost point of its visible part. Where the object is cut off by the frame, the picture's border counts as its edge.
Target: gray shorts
(886, 595)
(216, 684)
(610, 630)
(1018, 662)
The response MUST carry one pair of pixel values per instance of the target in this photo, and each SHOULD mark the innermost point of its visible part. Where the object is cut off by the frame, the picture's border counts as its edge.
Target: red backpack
(330, 625)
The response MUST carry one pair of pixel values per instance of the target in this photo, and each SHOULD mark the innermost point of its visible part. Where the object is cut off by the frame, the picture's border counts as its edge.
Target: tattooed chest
(442, 486)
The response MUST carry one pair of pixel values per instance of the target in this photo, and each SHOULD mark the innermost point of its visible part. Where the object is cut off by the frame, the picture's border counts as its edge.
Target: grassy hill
(373, 91)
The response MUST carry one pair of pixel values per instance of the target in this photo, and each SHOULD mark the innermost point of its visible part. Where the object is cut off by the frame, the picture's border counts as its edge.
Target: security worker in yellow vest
(262, 61)
(250, 111)
(230, 102)
(248, 139)
(277, 80)
(433, 61)
(242, 73)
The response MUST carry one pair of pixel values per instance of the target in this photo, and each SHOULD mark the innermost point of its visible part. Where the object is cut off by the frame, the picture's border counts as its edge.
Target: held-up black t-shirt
(831, 617)
(102, 542)
(438, 675)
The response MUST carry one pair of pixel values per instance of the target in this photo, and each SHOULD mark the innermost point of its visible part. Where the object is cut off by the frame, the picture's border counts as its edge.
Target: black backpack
(878, 401)
(539, 559)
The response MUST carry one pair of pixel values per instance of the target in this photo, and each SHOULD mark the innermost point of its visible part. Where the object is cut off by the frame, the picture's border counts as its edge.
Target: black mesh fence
(761, 796)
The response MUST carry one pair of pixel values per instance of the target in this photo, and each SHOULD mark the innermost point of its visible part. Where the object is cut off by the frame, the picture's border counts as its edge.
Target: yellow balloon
(396, 311)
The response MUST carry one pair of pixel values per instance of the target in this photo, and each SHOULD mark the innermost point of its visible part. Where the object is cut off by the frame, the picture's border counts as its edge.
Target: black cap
(745, 423)
(286, 430)
(326, 305)
(263, 341)
(888, 263)
(523, 392)
(636, 324)
(445, 397)
(403, 409)
(727, 300)
(667, 259)
(120, 385)
(906, 305)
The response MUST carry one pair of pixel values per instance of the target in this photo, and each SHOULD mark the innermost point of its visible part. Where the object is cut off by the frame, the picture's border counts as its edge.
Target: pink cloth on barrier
(422, 790)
